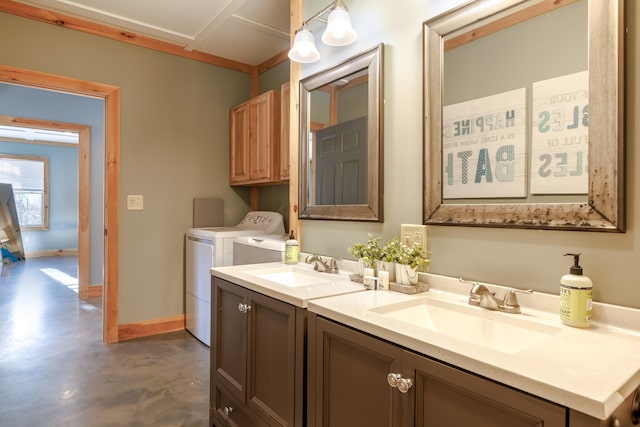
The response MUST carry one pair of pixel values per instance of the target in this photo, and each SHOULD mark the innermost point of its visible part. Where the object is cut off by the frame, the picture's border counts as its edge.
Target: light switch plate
(135, 202)
(410, 233)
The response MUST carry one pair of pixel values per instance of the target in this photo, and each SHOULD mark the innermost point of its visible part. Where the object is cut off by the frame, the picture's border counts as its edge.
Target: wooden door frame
(111, 97)
(83, 147)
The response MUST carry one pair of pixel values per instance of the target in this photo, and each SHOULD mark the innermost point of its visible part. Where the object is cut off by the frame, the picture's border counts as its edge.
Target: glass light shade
(339, 31)
(304, 47)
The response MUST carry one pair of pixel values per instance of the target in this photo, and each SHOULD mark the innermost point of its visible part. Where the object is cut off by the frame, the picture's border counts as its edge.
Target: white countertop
(590, 370)
(247, 277)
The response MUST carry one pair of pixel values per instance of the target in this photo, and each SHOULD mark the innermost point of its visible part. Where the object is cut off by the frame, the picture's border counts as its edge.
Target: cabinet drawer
(228, 412)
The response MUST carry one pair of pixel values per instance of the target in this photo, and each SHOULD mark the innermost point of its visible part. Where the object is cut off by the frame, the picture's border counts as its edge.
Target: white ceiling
(247, 31)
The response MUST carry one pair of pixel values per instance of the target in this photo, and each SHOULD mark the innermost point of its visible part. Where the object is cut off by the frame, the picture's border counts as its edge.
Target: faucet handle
(333, 266)
(511, 303)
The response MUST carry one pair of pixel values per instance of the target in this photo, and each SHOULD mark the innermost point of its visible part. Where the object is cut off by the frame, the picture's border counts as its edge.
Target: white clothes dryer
(213, 247)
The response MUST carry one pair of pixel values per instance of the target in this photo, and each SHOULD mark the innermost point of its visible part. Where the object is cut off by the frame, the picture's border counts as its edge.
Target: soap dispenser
(575, 296)
(291, 250)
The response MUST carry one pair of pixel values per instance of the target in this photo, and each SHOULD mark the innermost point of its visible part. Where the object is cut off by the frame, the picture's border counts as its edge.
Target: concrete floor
(55, 370)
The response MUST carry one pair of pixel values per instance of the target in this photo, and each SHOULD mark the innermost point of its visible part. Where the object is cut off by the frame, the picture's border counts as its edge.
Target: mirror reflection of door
(338, 142)
(341, 163)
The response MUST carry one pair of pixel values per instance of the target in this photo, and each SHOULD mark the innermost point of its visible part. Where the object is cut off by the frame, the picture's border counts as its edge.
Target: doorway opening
(81, 134)
(111, 97)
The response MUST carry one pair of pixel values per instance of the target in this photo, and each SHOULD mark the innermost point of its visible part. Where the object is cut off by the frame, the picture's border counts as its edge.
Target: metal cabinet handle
(244, 308)
(393, 379)
(404, 384)
(227, 410)
(396, 380)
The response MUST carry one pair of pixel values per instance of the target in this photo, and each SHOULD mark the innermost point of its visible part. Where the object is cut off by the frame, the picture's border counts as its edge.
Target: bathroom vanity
(258, 341)
(284, 355)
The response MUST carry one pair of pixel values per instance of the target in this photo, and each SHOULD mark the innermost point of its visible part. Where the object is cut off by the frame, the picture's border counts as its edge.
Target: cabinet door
(229, 338)
(285, 162)
(351, 372)
(446, 396)
(239, 144)
(264, 136)
(271, 359)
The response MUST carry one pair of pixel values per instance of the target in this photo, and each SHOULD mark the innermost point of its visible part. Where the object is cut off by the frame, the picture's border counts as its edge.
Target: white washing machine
(258, 249)
(213, 247)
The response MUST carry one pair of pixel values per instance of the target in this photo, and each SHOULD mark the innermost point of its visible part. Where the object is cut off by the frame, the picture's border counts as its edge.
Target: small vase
(405, 275)
(360, 267)
(389, 267)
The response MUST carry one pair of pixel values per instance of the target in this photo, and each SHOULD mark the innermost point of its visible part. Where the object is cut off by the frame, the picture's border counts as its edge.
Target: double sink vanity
(296, 347)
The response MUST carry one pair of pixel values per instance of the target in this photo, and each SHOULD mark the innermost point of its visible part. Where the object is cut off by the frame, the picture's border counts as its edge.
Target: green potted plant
(410, 260)
(367, 253)
(389, 257)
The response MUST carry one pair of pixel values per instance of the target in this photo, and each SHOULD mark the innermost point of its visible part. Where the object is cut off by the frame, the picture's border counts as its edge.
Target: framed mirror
(523, 115)
(341, 140)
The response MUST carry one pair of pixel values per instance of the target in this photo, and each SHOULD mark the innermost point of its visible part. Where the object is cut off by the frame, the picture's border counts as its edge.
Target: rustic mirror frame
(604, 209)
(371, 61)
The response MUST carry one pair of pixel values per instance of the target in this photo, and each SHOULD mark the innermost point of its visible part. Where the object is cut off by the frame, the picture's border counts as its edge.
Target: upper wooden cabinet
(254, 151)
(285, 161)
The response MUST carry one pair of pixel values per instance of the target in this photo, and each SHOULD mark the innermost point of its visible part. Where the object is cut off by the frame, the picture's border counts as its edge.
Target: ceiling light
(339, 32)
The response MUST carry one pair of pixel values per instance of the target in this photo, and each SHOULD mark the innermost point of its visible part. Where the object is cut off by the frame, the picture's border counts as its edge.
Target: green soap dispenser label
(291, 254)
(575, 304)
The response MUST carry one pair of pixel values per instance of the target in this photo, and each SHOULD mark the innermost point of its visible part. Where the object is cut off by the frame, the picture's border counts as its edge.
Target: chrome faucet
(321, 265)
(481, 296)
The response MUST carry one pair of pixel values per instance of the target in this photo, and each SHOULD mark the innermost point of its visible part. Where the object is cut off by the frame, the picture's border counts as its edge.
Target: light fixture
(339, 32)
(304, 47)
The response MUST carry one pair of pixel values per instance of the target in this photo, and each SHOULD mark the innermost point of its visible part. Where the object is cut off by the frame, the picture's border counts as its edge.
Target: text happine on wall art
(493, 149)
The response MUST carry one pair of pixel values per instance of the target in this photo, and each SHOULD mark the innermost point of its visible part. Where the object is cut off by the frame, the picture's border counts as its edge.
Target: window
(30, 180)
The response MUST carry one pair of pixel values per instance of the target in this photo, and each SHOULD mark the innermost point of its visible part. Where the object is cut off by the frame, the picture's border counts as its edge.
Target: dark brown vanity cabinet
(350, 379)
(257, 359)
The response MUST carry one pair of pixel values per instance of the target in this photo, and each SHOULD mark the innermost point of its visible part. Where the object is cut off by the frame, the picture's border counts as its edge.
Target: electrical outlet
(411, 233)
(135, 203)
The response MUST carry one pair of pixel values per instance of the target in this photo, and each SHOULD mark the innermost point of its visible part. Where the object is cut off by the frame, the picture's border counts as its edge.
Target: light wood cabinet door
(447, 396)
(255, 140)
(239, 144)
(350, 379)
(285, 162)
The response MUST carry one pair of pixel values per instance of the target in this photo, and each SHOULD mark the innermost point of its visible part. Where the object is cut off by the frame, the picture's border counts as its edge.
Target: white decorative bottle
(576, 292)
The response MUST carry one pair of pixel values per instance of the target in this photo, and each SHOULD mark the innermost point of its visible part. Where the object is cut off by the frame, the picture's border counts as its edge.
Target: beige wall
(520, 258)
(174, 147)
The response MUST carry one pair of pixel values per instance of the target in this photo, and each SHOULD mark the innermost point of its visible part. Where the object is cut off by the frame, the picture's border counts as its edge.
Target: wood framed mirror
(341, 140)
(514, 62)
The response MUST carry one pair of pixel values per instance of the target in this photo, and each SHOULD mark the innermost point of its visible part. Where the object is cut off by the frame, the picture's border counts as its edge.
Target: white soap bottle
(291, 250)
(576, 292)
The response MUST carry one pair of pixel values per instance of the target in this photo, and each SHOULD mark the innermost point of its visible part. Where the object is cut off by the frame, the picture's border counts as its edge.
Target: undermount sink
(292, 276)
(508, 333)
